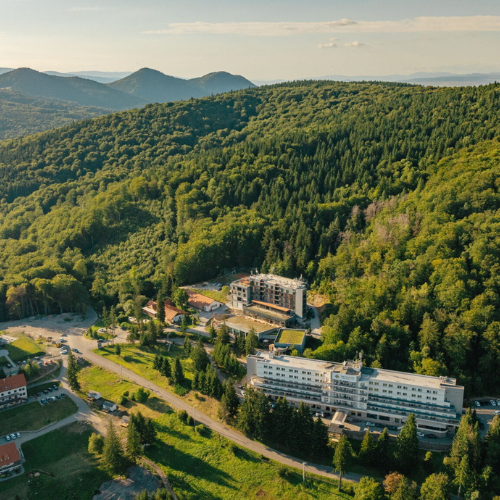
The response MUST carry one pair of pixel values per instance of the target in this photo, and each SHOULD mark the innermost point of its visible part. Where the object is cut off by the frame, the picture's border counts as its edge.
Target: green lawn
(23, 348)
(140, 360)
(211, 468)
(104, 381)
(74, 472)
(34, 416)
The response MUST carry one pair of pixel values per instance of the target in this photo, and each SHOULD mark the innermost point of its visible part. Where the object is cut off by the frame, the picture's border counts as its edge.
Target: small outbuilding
(202, 302)
(109, 406)
(94, 395)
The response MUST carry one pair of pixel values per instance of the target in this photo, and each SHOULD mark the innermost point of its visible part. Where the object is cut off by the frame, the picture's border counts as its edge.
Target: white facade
(380, 396)
(13, 388)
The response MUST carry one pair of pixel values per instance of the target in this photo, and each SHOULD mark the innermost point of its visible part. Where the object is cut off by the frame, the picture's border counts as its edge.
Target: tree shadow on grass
(168, 456)
(245, 455)
(157, 404)
(172, 432)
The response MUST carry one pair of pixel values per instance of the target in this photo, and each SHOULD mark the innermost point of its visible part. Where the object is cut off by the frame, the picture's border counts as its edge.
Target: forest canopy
(385, 196)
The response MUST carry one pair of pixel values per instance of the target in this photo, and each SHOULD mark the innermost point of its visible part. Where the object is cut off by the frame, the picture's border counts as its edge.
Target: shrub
(182, 416)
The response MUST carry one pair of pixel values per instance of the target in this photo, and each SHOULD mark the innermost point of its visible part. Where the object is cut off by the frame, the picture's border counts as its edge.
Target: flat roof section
(262, 311)
(241, 322)
(272, 306)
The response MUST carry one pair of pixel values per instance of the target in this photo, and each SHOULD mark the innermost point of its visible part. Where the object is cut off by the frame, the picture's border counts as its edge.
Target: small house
(172, 313)
(94, 395)
(10, 457)
(125, 421)
(202, 302)
(109, 406)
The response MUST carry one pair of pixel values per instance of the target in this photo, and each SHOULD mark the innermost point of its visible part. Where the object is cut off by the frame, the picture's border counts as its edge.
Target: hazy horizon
(276, 39)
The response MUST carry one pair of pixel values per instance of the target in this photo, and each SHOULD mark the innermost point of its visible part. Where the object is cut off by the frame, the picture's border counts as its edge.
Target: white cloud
(329, 45)
(414, 25)
(354, 44)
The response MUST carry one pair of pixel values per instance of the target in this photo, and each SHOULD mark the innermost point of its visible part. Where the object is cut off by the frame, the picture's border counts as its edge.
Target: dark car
(326, 414)
(432, 436)
(46, 391)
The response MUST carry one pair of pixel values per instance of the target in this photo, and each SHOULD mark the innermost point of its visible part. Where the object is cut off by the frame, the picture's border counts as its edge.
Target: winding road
(76, 340)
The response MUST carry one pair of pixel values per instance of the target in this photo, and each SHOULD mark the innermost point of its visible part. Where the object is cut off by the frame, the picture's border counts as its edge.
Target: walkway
(86, 346)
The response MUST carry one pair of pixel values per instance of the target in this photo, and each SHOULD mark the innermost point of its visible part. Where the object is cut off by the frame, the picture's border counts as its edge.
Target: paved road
(315, 323)
(85, 346)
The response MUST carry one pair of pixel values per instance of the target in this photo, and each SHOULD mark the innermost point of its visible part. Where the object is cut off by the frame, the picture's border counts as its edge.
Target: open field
(23, 348)
(34, 416)
(209, 467)
(72, 471)
(140, 360)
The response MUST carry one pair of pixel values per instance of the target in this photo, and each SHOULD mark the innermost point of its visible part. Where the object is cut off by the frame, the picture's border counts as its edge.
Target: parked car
(13, 436)
(326, 414)
(7, 438)
(420, 434)
(43, 401)
(75, 350)
(55, 387)
(18, 434)
(497, 412)
(38, 394)
(477, 403)
(63, 395)
(320, 414)
(431, 436)
(493, 402)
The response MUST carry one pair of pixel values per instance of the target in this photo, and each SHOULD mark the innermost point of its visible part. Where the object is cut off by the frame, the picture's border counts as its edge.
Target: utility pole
(303, 472)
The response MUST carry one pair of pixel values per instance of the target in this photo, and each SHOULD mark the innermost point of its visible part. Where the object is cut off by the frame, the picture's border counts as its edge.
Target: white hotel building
(378, 396)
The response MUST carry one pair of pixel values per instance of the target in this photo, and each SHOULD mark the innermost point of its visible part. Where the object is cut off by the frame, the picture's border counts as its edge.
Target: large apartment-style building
(274, 299)
(378, 396)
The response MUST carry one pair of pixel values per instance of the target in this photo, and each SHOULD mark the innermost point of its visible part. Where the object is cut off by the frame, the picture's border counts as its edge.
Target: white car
(497, 412)
(420, 434)
(493, 402)
(477, 403)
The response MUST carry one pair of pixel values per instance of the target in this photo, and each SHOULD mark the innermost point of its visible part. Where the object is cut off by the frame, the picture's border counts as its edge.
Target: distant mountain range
(440, 79)
(28, 96)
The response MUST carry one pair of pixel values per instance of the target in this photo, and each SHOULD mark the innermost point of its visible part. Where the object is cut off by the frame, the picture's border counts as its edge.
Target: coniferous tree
(281, 418)
(406, 454)
(187, 346)
(251, 342)
(149, 436)
(381, 452)
(200, 358)
(229, 403)
(112, 455)
(492, 444)
(367, 449)
(342, 458)
(134, 449)
(178, 373)
(166, 369)
(160, 307)
(319, 438)
(72, 372)
(223, 334)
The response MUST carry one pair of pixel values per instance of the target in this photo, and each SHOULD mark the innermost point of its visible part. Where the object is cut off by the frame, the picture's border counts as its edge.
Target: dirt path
(163, 477)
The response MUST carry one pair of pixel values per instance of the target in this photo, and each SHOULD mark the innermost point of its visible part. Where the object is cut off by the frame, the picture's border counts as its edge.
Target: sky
(260, 39)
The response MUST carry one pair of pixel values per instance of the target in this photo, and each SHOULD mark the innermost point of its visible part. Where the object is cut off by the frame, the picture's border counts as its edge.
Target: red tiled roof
(171, 311)
(272, 306)
(198, 300)
(14, 382)
(8, 454)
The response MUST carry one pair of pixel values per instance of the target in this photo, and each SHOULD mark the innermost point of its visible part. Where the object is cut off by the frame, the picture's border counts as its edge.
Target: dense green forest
(22, 115)
(383, 195)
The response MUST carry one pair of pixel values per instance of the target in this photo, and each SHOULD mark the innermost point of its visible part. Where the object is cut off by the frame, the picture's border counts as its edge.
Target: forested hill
(383, 195)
